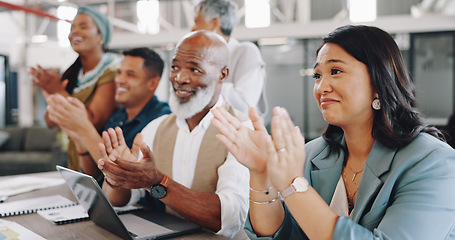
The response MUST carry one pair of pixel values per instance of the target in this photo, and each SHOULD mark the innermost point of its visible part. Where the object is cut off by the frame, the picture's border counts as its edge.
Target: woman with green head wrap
(91, 77)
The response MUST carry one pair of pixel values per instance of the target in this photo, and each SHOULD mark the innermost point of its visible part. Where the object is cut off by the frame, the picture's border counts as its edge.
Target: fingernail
(278, 110)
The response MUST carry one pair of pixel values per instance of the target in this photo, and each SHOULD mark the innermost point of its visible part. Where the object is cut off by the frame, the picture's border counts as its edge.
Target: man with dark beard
(189, 171)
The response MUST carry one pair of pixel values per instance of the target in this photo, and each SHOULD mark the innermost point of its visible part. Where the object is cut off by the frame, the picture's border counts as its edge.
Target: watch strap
(287, 191)
(299, 184)
(165, 181)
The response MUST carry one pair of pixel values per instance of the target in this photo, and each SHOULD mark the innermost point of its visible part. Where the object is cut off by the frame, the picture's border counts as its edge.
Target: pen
(3, 198)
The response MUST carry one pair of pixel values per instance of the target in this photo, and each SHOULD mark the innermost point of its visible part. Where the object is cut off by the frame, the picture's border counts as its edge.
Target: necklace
(349, 195)
(355, 173)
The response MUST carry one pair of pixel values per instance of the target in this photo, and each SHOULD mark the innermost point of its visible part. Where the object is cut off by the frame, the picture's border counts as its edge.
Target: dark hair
(152, 61)
(398, 121)
(71, 74)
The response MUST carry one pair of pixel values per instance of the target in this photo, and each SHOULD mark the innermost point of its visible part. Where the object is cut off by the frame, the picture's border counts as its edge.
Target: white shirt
(339, 203)
(233, 178)
(245, 85)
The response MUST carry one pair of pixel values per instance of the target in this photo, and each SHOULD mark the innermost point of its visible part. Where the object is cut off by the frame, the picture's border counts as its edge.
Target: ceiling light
(257, 13)
(362, 10)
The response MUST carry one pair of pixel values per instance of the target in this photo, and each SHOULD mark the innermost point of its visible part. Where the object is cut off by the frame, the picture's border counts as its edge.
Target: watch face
(158, 191)
(300, 184)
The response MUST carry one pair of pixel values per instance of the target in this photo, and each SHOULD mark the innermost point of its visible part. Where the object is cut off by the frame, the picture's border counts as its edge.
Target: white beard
(195, 104)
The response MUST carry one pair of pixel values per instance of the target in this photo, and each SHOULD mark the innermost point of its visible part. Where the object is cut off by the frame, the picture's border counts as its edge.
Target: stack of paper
(25, 184)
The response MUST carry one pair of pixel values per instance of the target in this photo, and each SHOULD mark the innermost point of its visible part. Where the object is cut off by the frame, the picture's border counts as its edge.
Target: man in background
(136, 81)
(245, 86)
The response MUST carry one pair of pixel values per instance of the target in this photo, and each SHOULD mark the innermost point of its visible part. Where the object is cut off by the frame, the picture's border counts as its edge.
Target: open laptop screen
(91, 197)
(143, 226)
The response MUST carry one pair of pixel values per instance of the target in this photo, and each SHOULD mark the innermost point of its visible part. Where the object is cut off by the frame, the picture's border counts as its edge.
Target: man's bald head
(210, 45)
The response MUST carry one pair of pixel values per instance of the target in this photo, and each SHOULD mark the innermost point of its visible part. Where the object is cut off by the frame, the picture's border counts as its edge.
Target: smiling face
(342, 88)
(84, 35)
(197, 71)
(134, 86)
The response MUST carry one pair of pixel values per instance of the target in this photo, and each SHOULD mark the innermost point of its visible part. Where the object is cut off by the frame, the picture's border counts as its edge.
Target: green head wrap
(102, 22)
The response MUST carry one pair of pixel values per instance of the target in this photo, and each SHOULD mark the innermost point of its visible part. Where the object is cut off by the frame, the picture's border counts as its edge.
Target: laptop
(131, 226)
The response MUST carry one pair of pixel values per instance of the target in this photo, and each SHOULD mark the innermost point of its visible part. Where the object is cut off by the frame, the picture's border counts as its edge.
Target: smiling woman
(376, 166)
(90, 78)
(336, 74)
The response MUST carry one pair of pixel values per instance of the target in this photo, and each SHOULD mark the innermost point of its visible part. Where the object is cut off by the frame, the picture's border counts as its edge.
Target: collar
(232, 43)
(328, 170)
(147, 109)
(122, 116)
(86, 80)
(378, 163)
(103, 61)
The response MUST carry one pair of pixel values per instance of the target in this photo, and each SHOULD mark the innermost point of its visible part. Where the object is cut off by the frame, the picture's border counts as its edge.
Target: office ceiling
(174, 12)
(178, 15)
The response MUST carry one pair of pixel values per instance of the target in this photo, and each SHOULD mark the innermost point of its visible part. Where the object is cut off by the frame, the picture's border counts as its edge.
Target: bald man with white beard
(181, 163)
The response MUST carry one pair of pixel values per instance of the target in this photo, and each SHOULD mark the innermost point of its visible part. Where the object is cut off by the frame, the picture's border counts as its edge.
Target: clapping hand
(67, 112)
(286, 154)
(247, 145)
(48, 80)
(281, 159)
(120, 164)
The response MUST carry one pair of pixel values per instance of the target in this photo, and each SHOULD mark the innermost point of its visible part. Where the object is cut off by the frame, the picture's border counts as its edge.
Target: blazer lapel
(325, 174)
(378, 162)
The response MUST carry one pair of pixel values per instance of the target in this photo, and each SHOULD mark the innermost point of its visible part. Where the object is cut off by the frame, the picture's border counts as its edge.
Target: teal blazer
(406, 193)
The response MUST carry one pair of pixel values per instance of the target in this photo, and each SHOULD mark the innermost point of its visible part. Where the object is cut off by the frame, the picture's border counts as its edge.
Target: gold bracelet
(266, 191)
(266, 202)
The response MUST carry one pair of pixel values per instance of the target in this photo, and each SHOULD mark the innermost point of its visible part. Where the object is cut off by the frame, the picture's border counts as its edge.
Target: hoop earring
(376, 104)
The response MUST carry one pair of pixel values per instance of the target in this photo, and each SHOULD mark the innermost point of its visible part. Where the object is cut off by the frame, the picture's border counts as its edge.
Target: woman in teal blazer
(378, 172)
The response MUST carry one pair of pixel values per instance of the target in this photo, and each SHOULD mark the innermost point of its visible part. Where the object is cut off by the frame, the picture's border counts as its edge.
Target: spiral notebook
(33, 205)
(65, 215)
(77, 213)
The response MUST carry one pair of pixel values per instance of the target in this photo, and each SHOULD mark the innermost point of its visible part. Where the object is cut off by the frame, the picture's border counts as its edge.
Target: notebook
(136, 225)
(76, 213)
(32, 205)
(65, 215)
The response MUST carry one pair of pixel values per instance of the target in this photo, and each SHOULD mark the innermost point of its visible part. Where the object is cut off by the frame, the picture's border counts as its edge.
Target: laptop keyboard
(141, 227)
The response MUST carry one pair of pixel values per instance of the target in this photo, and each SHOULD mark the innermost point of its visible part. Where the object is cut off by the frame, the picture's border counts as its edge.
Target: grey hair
(225, 10)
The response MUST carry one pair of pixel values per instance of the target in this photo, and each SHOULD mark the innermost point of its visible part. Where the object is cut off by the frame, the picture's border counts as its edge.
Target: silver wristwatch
(299, 184)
